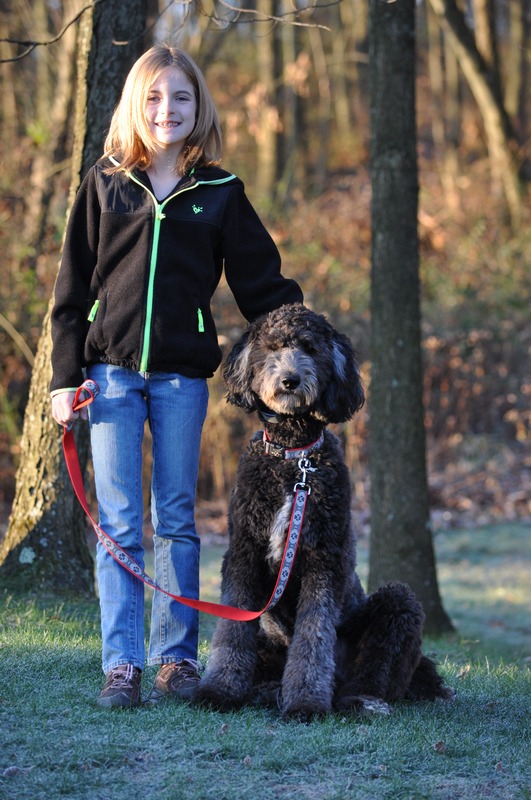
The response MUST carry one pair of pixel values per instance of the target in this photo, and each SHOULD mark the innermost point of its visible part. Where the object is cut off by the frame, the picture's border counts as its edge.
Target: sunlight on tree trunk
(443, 103)
(262, 99)
(401, 545)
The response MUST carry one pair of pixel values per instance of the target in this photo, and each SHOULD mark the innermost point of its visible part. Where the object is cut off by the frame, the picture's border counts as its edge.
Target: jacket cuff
(60, 391)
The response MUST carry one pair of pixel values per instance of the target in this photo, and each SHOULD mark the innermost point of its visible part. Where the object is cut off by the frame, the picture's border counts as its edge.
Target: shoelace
(187, 666)
(122, 677)
(179, 673)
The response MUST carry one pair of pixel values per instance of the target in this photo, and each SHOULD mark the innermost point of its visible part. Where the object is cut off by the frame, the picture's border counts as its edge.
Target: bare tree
(45, 540)
(401, 545)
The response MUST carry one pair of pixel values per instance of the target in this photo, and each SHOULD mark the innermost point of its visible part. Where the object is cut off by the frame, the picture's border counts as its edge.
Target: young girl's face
(171, 109)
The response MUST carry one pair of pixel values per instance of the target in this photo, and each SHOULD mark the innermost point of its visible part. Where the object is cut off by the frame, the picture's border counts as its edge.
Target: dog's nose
(290, 382)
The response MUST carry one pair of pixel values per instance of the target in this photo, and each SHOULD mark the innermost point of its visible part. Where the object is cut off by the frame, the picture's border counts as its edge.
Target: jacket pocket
(96, 319)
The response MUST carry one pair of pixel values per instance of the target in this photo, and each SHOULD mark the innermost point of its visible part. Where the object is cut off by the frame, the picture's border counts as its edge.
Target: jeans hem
(121, 663)
(159, 661)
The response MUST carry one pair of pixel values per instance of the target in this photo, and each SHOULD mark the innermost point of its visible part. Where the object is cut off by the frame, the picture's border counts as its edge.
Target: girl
(154, 223)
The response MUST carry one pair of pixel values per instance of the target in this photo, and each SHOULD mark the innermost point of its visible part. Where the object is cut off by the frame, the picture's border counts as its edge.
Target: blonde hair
(129, 139)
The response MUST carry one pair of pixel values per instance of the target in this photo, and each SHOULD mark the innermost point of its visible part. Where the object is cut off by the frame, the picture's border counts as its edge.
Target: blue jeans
(175, 407)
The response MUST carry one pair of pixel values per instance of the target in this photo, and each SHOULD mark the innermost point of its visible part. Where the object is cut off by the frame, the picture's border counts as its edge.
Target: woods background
(293, 100)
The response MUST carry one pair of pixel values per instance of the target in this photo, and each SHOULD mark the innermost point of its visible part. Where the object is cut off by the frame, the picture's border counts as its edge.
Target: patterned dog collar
(287, 453)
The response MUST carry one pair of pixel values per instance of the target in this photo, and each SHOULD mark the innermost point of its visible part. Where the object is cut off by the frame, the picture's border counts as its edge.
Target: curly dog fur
(325, 646)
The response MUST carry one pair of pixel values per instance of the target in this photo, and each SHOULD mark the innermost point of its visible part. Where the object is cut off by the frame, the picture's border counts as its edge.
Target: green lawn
(56, 743)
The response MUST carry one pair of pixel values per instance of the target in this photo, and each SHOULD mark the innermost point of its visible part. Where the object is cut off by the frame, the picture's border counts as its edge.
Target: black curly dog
(325, 646)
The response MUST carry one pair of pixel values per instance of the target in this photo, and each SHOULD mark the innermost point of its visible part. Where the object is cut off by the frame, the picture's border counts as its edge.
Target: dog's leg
(272, 648)
(228, 678)
(308, 680)
(382, 641)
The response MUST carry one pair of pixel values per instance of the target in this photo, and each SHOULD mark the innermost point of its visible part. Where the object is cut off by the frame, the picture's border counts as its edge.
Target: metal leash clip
(305, 466)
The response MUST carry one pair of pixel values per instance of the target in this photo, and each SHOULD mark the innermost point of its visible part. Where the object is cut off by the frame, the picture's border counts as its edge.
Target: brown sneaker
(122, 687)
(176, 681)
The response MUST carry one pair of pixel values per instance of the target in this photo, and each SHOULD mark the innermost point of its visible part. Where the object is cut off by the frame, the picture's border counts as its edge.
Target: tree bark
(44, 546)
(401, 545)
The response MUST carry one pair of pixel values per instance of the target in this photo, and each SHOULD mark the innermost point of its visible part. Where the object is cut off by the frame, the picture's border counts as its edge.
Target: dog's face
(295, 363)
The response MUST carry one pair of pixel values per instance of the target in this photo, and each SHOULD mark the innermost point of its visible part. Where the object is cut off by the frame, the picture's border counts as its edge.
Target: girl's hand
(62, 411)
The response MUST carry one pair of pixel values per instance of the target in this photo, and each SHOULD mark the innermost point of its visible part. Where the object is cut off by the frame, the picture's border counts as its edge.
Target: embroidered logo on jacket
(197, 209)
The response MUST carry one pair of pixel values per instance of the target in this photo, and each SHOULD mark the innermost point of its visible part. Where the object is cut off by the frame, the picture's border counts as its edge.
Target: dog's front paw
(213, 695)
(362, 704)
(304, 710)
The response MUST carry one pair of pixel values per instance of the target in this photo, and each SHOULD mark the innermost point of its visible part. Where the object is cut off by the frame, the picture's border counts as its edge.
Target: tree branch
(30, 45)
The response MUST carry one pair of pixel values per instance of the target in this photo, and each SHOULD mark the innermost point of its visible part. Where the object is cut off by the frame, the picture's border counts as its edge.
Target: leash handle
(85, 395)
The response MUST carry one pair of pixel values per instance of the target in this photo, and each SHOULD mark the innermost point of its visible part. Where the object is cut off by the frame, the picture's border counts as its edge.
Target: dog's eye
(272, 344)
(307, 345)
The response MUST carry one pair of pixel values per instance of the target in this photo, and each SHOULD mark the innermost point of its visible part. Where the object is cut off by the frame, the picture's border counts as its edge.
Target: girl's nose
(167, 105)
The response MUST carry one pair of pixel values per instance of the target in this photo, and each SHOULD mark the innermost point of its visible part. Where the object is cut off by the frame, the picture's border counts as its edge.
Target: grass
(56, 743)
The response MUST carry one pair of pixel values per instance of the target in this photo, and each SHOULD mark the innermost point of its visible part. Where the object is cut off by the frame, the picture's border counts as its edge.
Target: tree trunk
(442, 102)
(44, 546)
(324, 110)
(515, 60)
(485, 34)
(53, 114)
(289, 108)
(264, 113)
(401, 545)
(495, 119)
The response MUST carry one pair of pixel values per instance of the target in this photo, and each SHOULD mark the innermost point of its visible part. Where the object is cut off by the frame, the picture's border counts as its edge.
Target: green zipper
(93, 311)
(159, 216)
(200, 321)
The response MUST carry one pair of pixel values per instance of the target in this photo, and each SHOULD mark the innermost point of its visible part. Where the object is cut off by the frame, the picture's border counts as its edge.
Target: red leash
(84, 396)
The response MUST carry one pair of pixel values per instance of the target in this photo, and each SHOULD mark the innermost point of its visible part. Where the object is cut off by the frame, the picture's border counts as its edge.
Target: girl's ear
(344, 394)
(238, 374)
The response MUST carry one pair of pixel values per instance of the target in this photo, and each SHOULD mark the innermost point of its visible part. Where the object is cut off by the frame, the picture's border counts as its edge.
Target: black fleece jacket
(137, 275)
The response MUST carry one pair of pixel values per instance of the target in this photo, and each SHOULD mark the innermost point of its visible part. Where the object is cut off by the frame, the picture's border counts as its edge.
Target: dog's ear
(344, 394)
(237, 374)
